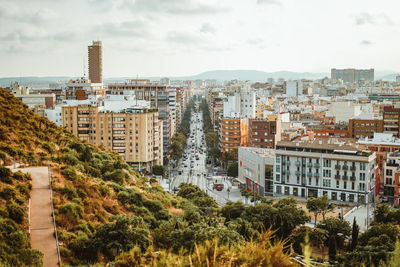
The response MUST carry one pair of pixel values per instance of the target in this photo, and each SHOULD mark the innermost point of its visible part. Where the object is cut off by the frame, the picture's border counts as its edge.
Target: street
(193, 169)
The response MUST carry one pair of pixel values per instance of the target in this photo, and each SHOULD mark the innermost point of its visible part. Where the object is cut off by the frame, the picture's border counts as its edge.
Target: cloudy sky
(185, 37)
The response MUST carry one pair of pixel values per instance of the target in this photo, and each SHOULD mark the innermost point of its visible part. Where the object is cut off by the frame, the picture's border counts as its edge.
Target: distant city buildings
(353, 75)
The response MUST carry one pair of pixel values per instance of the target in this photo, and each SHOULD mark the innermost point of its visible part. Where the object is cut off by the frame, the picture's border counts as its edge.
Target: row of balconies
(345, 167)
(345, 177)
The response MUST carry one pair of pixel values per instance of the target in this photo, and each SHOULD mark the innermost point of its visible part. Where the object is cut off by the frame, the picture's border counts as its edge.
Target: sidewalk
(41, 221)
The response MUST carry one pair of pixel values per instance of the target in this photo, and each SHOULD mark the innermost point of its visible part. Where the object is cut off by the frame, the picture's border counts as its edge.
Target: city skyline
(187, 37)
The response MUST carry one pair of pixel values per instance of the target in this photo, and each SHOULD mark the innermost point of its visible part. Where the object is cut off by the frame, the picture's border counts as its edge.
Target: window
(362, 187)
(389, 172)
(345, 185)
(352, 185)
(362, 176)
(326, 182)
(362, 166)
(337, 183)
(278, 177)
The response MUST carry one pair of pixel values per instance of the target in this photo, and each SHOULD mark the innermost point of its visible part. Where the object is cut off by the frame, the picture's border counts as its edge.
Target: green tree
(175, 150)
(121, 234)
(381, 213)
(354, 235)
(159, 170)
(332, 247)
(340, 228)
(233, 169)
(232, 210)
(319, 205)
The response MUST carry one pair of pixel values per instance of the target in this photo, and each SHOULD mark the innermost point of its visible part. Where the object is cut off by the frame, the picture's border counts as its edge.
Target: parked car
(219, 187)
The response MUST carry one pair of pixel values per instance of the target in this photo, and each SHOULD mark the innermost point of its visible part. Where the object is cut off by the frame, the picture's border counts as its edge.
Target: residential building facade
(316, 168)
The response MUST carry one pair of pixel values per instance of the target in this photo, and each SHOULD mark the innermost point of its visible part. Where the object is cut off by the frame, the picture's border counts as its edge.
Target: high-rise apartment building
(134, 133)
(234, 132)
(157, 94)
(353, 75)
(95, 59)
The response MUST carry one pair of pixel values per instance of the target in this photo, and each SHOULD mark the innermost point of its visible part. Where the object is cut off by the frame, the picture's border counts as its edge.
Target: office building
(316, 168)
(95, 58)
(256, 169)
(242, 104)
(352, 75)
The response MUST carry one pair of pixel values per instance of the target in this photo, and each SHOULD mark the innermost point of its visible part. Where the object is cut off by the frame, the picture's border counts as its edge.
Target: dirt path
(41, 226)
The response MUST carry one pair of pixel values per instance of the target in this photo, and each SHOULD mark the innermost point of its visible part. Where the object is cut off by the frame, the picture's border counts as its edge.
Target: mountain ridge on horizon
(219, 75)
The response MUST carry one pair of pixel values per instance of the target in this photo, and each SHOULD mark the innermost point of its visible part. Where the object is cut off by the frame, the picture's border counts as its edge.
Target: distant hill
(255, 75)
(219, 75)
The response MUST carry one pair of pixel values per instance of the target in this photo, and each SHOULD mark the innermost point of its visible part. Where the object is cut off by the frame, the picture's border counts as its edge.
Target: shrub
(5, 175)
(65, 252)
(70, 158)
(69, 172)
(8, 193)
(15, 212)
(117, 176)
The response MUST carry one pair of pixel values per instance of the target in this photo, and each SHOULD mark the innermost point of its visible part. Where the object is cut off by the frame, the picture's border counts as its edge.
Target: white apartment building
(314, 168)
(240, 105)
(256, 169)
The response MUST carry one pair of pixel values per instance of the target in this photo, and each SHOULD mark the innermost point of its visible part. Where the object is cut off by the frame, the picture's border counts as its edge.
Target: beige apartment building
(135, 134)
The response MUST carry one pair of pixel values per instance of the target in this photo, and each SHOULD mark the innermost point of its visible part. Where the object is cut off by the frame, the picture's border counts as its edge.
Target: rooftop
(380, 139)
(263, 152)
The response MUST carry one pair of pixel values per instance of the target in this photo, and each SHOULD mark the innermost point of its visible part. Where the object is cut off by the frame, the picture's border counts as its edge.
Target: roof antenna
(84, 67)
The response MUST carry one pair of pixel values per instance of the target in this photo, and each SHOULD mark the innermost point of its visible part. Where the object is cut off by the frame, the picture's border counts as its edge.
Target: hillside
(103, 209)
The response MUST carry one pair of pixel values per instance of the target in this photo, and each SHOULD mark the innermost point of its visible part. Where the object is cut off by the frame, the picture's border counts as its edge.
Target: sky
(187, 37)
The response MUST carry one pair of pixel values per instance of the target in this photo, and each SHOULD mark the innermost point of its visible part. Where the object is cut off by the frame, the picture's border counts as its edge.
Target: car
(219, 187)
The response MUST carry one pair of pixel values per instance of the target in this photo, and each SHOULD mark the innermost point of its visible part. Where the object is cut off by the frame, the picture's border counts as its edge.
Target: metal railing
(54, 218)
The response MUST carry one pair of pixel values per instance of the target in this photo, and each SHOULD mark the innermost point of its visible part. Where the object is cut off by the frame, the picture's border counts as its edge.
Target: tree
(340, 228)
(159, 170)
(381, 213)
(332, 247)
(121, 234)
(232, 210)
(175, 150)
(319, 205)
(233, 169)
(211, 139)
(354, 235)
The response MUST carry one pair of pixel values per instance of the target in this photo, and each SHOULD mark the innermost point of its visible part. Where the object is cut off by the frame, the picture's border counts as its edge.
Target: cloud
(173, 7)
(207, 28)
(269, 2)
(368, 18)
(366, 42)
(12, 12)
(132, 28)
(182, 37)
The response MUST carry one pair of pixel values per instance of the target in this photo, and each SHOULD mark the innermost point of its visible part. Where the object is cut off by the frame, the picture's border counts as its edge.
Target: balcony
(284, 162)
(317, 165)
(298, 163)
(316, 174)
(353, 168)
(345, 167)
(337, 176)
(297, 172)
(353, 177)
(287, 172)
(337, 167)
(283, 171)
(345, 177)
(309, 174)
(309, 164)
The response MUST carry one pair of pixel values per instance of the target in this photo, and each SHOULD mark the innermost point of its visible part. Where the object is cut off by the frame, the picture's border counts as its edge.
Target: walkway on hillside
(41, 226)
